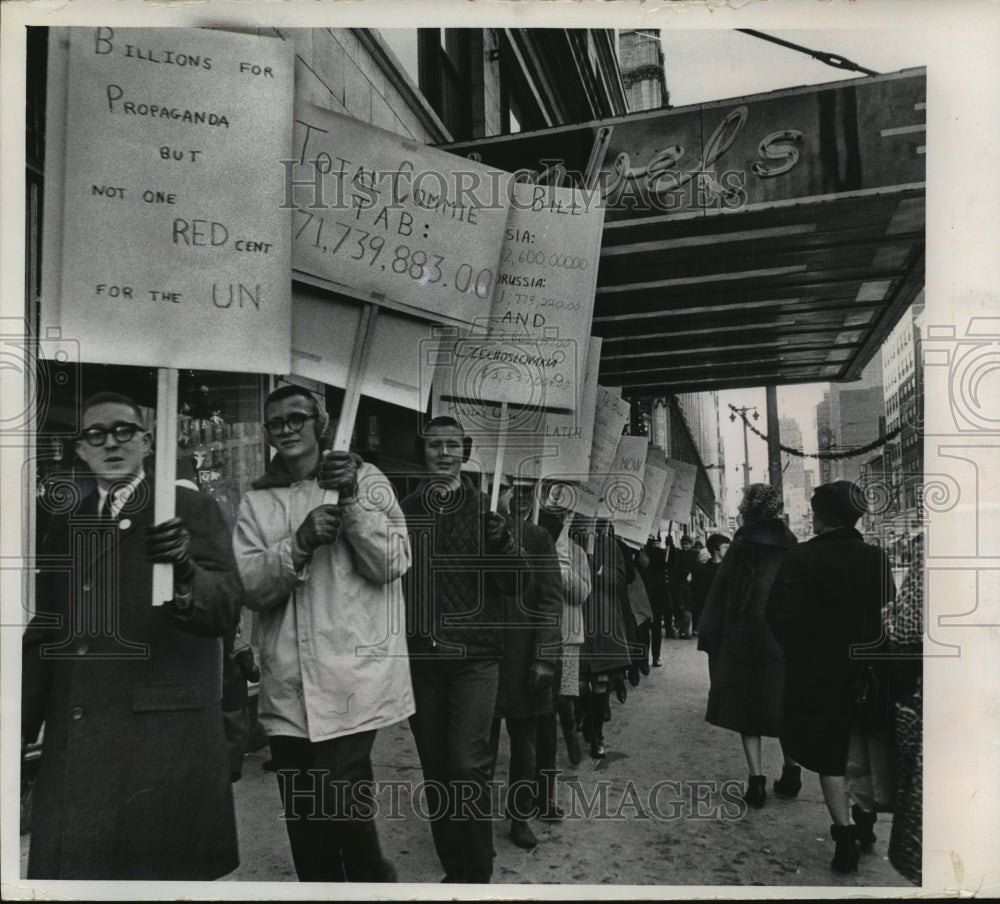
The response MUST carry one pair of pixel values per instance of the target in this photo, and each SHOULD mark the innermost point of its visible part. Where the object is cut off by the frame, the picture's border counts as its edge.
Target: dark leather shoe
(644, 668)
(656, 663)
(633, 676)
(597, 750)
(521, 835)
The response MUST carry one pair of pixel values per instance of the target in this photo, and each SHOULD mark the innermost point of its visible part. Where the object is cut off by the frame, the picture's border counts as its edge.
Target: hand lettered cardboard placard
(174, 249)
(637, 527)
(324, 330)
(569, 436)
(623, 493)
(681, 498)
(543, 303)
(610, 414)
(388, 220)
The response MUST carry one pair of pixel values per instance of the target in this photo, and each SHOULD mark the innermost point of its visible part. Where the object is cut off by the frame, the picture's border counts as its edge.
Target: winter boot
(864, 822)
(845, 858)
(789, 783)
(756, 792)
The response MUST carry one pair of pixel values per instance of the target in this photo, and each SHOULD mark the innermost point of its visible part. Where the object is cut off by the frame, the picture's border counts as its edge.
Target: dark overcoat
(133, 781)
(606, 643)
(744, 660)
(827, 597)
(532, 629)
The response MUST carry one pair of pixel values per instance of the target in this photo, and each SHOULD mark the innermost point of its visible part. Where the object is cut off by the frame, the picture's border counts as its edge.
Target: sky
(712, 65)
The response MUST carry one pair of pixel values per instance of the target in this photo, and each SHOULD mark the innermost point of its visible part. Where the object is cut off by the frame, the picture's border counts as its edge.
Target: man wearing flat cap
(825, 607)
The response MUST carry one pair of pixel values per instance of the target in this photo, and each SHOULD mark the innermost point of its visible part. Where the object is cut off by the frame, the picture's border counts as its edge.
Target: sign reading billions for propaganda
(174, 244)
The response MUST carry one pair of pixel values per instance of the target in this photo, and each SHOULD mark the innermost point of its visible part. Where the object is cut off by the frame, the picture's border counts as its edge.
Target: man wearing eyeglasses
(325, 578)
(133, 781)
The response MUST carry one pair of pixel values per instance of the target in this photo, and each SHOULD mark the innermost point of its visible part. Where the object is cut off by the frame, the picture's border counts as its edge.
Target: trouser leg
(429, 725)
(545, 759)
(472, 697)
(347, 764)
(521, 782)
(312, 837)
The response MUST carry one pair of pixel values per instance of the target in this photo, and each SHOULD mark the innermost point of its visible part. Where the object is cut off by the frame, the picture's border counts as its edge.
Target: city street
(659, 734)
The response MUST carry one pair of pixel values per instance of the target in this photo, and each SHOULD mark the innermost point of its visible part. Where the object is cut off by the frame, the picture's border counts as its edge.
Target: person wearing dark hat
(465, 559)
(134, 780)
(744, 661)
(824, 607)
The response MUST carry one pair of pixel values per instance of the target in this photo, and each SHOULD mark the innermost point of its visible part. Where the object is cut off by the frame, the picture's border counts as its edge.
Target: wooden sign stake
(166, 473)
(355, 379)
(501, 447)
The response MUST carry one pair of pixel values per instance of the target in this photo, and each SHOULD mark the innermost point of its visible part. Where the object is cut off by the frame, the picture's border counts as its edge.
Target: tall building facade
(640, 55)
(898, 467)
(851, 416)
(796, 482)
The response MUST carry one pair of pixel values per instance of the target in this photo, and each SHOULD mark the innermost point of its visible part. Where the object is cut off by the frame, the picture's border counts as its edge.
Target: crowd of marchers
(446, 610)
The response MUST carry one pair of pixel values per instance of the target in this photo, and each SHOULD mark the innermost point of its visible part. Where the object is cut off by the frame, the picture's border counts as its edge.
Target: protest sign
(538, 332)
(636, 527)
(610, 415)
(159, 127)
(570, 435)
(681, 498)
(622, 492)
(324, 331)
(387, 220)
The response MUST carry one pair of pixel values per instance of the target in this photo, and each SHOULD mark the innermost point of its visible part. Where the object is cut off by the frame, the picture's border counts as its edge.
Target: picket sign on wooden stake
(166, 473)
(355, 379)
(498, 469)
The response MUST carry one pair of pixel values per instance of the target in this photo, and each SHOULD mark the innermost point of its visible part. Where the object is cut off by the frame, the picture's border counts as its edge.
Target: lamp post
(746, 447)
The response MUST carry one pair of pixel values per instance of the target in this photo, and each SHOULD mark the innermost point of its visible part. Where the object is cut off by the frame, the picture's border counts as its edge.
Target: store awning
(774, 239)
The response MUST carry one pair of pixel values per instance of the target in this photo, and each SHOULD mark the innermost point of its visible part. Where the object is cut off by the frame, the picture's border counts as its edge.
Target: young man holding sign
(325, 578)
(134, 781)
(465, 558)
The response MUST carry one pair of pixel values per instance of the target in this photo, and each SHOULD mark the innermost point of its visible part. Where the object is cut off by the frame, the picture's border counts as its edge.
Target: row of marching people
(433, 609)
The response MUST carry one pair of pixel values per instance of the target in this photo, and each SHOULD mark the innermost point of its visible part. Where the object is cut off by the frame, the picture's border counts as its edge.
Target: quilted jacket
(454, 606)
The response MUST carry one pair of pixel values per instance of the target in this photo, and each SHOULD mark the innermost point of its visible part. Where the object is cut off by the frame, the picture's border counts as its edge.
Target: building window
(445, 77)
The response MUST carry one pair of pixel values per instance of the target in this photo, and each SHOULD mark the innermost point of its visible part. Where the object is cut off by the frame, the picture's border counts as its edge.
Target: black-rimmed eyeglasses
(294, 422)
(98, 436)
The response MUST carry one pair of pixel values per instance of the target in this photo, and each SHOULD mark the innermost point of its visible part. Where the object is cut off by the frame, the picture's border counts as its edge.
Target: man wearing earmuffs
(324, 575)
(464, 559)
